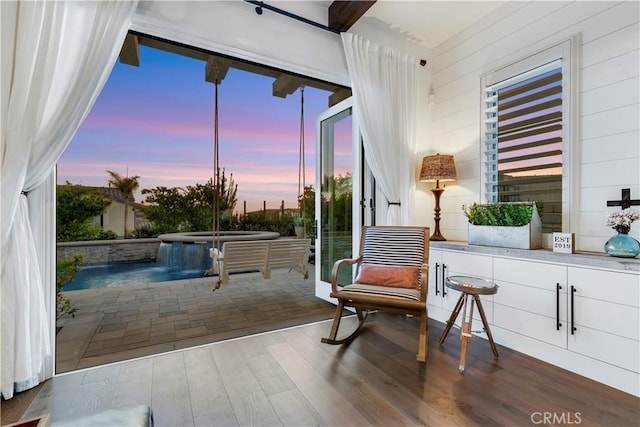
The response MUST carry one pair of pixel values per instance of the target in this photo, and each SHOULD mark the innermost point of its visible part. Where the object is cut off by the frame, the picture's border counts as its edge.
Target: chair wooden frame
(364, 301)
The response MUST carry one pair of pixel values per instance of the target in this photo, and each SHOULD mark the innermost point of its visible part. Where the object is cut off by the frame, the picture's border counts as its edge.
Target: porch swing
(254, 255)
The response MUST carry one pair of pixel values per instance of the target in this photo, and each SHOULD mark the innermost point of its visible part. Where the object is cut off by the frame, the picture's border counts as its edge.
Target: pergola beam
(286, 84)
(339, 95)
(216, 69)
(130, 52)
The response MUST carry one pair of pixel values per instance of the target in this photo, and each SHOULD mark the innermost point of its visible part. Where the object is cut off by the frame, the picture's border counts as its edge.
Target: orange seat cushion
(386, 275)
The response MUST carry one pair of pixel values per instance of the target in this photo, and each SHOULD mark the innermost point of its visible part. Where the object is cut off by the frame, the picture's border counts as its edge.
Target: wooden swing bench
(261, 255)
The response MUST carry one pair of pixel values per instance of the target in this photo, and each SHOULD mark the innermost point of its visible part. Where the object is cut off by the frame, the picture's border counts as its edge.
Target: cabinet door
(464, 264)
(606, 315)
(434, 290)
(531, 299)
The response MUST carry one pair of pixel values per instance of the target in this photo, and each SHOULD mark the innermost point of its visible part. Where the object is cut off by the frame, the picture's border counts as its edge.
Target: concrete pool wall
(97, 252)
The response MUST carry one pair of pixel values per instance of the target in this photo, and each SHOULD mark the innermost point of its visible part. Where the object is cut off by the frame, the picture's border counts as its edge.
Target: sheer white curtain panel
(56, 58)
(385, 87)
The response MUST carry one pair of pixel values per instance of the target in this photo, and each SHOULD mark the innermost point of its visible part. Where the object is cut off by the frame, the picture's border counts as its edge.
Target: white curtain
(56, 58)
(385, 94)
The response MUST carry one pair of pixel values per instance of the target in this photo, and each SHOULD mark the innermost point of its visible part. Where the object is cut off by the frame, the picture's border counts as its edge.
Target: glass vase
(622, 245)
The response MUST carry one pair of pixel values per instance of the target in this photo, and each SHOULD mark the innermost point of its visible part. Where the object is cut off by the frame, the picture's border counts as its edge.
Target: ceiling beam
(339, 95)
(344, 13)
(216, 69)
(226, 62)
(130, 53)
(286, 84)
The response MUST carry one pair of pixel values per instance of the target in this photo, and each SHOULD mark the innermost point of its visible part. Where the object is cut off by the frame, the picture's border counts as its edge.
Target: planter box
(525, 237)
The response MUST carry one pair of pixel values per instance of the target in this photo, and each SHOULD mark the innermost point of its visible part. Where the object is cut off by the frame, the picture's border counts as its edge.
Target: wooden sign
(564, 242)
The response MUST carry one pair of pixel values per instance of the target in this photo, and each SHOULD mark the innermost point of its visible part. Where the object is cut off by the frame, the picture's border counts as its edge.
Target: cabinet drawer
(609, 348)
(467, 265)
(607, 317)
(537, 300)
(530, 273)
(620, 288)
(528, 324)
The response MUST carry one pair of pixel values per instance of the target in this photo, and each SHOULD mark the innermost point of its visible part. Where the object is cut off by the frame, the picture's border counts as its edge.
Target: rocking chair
(391, 276)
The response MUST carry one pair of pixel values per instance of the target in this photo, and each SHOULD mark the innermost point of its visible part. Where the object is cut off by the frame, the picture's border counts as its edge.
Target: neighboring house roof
(111, 193)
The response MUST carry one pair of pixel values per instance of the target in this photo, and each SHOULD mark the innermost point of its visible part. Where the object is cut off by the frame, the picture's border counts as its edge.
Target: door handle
(444, 275)
(573, 291)
(437, 268)
(558, 324)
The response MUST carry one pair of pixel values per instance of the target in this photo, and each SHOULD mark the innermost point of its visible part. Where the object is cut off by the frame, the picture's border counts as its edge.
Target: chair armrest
(336, 268)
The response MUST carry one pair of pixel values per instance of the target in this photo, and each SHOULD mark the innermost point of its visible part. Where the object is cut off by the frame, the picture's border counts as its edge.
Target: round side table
(469, 286)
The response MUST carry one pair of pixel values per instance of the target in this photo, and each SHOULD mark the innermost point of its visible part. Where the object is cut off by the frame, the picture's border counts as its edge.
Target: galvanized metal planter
(524, 237)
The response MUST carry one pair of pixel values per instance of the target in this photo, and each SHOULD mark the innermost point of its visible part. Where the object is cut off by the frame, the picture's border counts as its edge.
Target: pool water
(123, 274)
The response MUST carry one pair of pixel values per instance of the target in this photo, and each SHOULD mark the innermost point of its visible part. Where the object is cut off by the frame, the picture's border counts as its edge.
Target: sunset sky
(156, 121)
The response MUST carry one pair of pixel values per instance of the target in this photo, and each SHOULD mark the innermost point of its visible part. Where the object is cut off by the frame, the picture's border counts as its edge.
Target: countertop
(589, 259)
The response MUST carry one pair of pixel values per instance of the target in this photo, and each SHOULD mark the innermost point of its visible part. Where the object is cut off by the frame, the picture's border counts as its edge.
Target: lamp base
(437, 237)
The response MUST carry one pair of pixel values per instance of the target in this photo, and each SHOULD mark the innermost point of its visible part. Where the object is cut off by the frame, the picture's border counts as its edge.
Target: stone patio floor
(114, 324)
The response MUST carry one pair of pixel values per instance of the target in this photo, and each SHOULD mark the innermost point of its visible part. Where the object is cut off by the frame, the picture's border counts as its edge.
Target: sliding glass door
(338, 178)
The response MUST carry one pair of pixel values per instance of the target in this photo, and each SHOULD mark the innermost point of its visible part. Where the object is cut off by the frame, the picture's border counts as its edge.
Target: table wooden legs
(465, 331)
(452, 319)
(494, 349)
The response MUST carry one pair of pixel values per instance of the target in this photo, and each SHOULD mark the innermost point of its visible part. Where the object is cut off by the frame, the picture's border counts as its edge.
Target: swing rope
(301, 166)
(215, 242)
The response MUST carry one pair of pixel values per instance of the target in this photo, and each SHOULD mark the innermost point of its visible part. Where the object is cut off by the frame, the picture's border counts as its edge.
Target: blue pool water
(123, 274)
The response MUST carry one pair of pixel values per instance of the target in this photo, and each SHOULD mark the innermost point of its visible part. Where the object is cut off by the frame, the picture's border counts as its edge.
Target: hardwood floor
(289, 378)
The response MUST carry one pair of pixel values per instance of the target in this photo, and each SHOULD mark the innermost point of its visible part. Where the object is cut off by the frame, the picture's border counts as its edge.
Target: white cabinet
(579, 312)
(531, 300)
(442, 300)
(583, 319)
(436, 291)
(604, 316)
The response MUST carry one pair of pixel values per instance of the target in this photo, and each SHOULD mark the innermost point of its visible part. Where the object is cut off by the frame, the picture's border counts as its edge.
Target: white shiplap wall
(607, 140)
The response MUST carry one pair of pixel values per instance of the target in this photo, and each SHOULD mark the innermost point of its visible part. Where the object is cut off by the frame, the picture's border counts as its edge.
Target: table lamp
(437, 168)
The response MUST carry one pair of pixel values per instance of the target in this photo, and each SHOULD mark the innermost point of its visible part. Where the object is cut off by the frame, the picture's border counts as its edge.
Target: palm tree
(127, 185)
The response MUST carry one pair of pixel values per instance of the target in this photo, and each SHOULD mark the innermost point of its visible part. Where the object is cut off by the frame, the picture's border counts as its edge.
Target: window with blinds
(523, 143)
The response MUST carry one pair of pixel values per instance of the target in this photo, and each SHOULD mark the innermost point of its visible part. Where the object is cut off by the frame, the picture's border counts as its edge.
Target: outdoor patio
(114, 324)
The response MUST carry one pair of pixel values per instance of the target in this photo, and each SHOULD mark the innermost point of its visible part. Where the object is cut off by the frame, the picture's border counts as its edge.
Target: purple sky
(156, 121)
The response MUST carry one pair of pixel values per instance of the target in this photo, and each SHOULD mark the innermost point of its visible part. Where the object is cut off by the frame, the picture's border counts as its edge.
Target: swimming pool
(124, 274)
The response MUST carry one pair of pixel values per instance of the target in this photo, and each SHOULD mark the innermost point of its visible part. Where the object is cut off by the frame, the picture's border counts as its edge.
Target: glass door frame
(323, 288)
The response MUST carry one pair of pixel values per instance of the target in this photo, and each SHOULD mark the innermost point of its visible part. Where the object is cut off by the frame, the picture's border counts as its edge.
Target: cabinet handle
(437, 268)
(558, 324)
(573, 291)
(444, 292)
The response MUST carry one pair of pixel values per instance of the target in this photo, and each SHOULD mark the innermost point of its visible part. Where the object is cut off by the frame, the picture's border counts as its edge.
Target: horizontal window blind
(523, 141)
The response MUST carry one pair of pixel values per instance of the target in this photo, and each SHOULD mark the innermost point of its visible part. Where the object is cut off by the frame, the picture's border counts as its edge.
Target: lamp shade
(439, 167)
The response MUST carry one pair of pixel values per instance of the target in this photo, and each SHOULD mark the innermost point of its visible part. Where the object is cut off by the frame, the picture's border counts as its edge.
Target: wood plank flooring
(289, 378)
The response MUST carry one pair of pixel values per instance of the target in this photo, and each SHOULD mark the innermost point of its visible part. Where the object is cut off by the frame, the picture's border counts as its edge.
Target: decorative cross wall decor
(626, 201)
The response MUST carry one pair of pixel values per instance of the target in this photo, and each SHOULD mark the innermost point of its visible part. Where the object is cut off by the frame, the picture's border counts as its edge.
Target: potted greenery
(510, 225)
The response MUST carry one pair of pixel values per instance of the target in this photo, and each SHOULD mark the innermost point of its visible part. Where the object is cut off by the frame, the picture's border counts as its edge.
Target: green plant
(76, 206)
(191, 208)
(143, 232)
(499, 214)
(298, 222)
(65, 270)
(106, 235)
